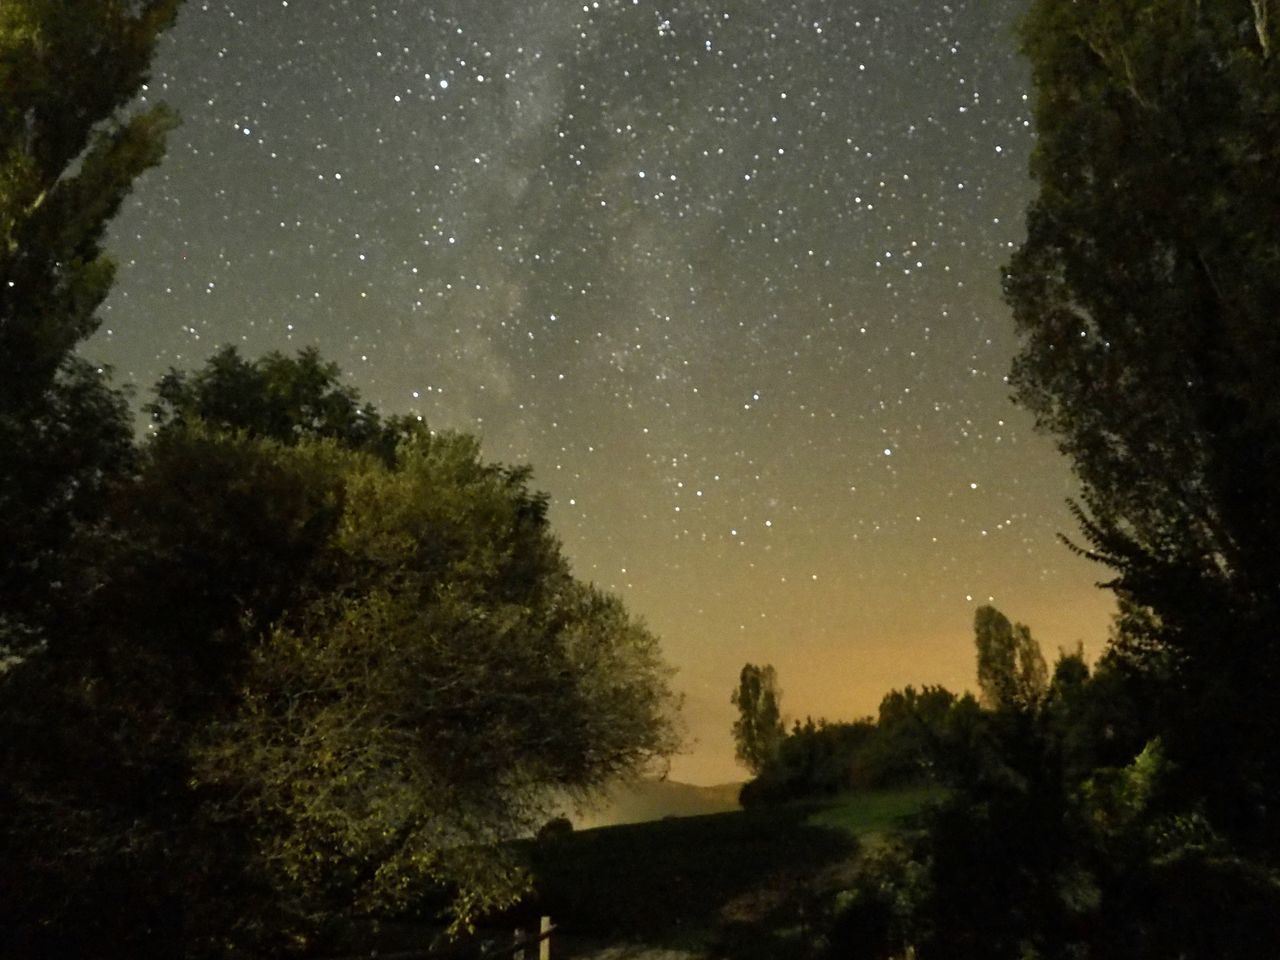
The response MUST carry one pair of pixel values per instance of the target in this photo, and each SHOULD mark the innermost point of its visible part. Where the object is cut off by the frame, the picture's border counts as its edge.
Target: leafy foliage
(1058, 838)
(314, 679)
(920, 735)
(813, 760)
(758, 729)
(70, 150)
(278, 397)
(400, 726)
(1011, 668)
(69, 154)
(916, 740)
(1145, 295)
(213, 541)
(63, 453)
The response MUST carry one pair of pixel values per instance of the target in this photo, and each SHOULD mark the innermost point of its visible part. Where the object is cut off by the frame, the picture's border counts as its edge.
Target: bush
(555, 829)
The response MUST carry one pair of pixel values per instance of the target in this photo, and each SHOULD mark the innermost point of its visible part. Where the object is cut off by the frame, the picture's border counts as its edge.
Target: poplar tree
(1012, 674)
(758, 731)
(72, 143)
(1147, 298)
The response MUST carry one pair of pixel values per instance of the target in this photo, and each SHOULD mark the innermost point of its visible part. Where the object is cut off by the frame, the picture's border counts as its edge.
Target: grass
(750, 884)
(689, 882)
(874, 812)
(667, 880)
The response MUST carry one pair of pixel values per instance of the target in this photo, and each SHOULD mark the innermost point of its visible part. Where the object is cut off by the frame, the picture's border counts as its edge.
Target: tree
(69, 153)
(758, 730)
(62, 454)
(917, 736)
(285, 399)
(1145, 296)
(815, 759)
(214, 540)
(443, 697)
(70, 150)
(1057, 835)
(312, 681)
(1011, 669)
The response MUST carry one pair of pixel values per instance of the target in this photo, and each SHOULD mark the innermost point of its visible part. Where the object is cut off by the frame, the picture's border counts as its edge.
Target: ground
(743, 883)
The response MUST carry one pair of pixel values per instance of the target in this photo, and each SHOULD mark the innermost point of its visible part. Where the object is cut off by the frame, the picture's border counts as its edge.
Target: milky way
(725, 273)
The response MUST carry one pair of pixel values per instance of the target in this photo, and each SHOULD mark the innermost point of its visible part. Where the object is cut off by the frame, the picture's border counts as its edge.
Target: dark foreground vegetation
(289, 661)
(754, 884)
(1056, 824)
(712, 881)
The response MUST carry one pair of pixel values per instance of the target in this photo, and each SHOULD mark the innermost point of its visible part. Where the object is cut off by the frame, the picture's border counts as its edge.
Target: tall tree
(70, 150)
(758, 730)
(1146, 296)
(211, 541)
(1011, 670)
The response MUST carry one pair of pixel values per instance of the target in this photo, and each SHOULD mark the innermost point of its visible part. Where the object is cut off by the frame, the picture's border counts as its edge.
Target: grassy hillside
(654, 799)
(728, 879)
(873, 811)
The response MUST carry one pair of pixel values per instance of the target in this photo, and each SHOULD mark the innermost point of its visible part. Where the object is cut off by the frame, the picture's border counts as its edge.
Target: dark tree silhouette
(758, 730)
(1147, 297)
(1011, 669)
(277, 397)
(70, 150)
(311, 681)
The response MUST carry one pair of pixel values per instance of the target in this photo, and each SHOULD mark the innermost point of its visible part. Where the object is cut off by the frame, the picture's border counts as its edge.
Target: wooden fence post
(544, 945)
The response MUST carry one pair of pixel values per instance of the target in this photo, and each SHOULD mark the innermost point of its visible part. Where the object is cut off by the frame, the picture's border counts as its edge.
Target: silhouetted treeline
(1060, 835)
(906, 745)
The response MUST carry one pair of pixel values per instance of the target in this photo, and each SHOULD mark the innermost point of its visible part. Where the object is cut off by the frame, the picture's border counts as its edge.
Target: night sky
(725, 272)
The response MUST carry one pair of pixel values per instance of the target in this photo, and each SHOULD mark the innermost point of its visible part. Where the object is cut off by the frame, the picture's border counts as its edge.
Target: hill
(639, 802)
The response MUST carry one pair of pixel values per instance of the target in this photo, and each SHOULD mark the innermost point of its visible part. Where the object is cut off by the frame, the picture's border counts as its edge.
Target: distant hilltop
(637, 802)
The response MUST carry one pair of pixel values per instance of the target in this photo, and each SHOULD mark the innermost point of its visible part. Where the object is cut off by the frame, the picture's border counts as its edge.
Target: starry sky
(725, 272)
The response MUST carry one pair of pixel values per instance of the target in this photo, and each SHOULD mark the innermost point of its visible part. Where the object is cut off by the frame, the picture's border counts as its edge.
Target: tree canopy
(1146, 299)
(1011, 669)
(322, 680)
(282, 398)
(70, 151)
(758, 730)
(445, 694)
(301, 655)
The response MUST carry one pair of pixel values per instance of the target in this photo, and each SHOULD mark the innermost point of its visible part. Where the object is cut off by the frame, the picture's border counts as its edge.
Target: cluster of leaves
(306, 658)
(70, 150)
(918, 737)
(759, 729)
(278, 398)
(1145, 297)
(908, 744)
(1131, 812)
(1011, 668)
